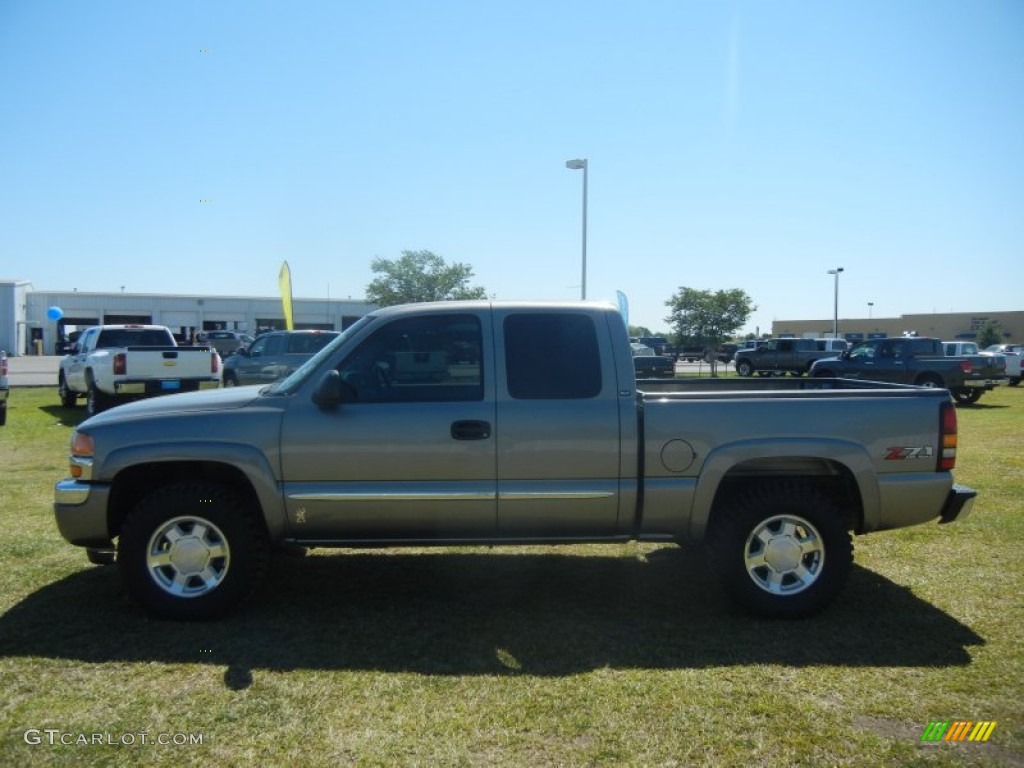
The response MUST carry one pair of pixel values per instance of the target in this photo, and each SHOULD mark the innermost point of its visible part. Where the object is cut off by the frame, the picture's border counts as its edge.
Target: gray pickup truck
(504, 423)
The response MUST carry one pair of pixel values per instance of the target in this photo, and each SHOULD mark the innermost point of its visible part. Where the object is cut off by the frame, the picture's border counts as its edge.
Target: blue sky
(749, 145)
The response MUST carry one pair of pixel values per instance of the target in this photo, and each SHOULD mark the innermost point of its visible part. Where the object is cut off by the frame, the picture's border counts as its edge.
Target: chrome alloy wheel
(784, 555)
(188, 557)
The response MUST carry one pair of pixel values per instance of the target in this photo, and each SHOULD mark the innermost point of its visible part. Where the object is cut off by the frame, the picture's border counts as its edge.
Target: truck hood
(228, 398)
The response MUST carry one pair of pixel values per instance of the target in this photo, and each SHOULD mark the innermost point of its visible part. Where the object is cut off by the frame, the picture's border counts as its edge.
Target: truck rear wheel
(191, 551)
(967, 395)
(781, 549)
(95, 401)
(68, 399)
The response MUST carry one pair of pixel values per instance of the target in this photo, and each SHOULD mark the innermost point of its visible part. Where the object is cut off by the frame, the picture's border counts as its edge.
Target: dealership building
(950, 326)
(32, 320)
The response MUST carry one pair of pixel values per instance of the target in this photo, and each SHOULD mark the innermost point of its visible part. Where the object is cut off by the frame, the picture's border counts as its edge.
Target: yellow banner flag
(284, 280)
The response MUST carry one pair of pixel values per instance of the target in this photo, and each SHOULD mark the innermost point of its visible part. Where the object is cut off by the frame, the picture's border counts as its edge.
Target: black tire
(191, 551)
(95, 401)
(1014, 381)
(781, 549)
(68, 399)
(967, 395)
(3, 413)
(744, 368)
(230, 380)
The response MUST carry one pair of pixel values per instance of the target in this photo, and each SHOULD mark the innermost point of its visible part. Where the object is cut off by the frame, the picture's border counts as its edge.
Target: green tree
(989, 334)
(708, 318)
(420, 276)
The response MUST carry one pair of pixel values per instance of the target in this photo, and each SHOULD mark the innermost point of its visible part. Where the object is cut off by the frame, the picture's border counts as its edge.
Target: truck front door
(411, 454)
(74, 366)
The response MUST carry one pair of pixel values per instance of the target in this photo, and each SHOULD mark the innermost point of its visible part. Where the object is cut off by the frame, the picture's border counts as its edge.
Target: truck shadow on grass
(456, 613)
(69, 417)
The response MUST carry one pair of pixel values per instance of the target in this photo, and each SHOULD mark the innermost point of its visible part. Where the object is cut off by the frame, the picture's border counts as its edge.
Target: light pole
(835, 316)
(576, 165)
(870, 305)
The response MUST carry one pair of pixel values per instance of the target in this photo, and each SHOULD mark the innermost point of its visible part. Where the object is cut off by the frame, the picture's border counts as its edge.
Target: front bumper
(958, 504)
(81, 513)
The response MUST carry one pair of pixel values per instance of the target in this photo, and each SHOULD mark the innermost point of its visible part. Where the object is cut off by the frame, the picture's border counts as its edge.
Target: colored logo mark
(959, 730)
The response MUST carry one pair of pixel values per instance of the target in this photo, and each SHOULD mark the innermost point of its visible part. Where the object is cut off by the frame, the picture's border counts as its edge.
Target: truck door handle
(471, 430)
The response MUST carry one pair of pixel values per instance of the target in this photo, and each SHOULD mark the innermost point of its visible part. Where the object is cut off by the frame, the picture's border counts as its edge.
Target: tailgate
(168, 363)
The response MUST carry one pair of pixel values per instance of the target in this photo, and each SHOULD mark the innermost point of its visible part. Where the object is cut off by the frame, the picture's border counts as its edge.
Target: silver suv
(273, 356)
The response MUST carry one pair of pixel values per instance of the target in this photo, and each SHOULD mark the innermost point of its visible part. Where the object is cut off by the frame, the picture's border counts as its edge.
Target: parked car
(4, 387)
(273, 356)
(659, 344)
(780, 356)
(909, 360)
(726, 352)
(506, 423)
(654, 366)
(111, 364)
(1013, 354)
(226, 343)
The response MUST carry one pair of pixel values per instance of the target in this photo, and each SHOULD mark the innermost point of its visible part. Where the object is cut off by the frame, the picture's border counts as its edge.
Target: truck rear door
(558, 427)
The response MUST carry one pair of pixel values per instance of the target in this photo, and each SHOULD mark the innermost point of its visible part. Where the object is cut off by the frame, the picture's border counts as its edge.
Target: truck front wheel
(781, 549)
(744, 368)
(191, 551)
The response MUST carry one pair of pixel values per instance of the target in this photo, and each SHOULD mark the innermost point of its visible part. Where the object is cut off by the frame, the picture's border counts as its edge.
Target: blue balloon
(55, 313)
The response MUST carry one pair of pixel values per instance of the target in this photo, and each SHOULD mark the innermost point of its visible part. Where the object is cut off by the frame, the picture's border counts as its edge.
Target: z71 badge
(902, 454)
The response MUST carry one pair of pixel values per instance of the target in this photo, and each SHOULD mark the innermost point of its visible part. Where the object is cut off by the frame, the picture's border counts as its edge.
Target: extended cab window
(434, 358)
(552, 356)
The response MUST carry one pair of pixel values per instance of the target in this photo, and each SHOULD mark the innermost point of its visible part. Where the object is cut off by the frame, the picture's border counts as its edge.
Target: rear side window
(552, 356)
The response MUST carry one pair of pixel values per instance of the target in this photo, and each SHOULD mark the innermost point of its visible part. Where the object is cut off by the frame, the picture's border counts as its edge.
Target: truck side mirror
(332, 391)
(328, 391)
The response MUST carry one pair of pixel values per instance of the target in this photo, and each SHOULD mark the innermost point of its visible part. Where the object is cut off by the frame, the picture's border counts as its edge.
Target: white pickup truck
(115, 363)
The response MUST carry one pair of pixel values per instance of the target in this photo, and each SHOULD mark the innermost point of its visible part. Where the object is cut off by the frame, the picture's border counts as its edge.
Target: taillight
(965, 366)
(947, 437)
(214, 362)
(3, 366)
(120, 364)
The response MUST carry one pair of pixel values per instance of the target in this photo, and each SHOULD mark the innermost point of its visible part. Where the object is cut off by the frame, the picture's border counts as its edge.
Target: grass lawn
(576, 655)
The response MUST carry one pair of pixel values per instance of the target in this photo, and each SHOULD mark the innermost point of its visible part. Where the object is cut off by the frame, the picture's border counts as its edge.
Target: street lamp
(576, 165)
(835, 316)
(870, 305)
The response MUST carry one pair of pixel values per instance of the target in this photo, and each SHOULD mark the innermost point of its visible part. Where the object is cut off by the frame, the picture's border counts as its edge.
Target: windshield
(292, 382)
